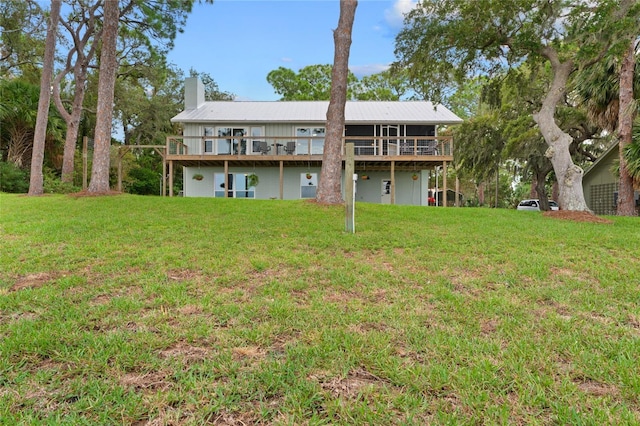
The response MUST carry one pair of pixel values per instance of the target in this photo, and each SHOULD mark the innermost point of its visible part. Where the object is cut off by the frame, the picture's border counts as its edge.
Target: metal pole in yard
(85, 143)
(350, 189)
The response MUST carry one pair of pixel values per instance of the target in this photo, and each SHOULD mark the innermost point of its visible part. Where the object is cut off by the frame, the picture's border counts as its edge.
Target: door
(386, 191)
(235, 143)
(388, 133)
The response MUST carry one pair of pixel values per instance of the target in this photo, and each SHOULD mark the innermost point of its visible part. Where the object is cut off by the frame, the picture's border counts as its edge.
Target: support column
(164, 177)
(226, 178)
(170, 178)
(120, 169)
(444, 184)
(281, 179)
(393, 182)
(85, 147)
(349, 187)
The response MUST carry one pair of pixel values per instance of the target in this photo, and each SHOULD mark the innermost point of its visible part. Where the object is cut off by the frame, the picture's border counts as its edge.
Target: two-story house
(273, 149)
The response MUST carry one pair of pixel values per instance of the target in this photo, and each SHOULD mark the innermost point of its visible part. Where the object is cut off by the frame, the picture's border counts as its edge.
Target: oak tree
(450, 40)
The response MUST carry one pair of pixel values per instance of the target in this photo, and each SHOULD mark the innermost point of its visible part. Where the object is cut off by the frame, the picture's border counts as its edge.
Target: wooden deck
(401, 154)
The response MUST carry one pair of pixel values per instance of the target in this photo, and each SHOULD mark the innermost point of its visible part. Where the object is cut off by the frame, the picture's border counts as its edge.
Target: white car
(534, 205)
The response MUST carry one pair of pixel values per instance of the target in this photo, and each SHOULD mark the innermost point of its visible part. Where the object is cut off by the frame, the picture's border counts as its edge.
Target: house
(600, 184)
(229, 145)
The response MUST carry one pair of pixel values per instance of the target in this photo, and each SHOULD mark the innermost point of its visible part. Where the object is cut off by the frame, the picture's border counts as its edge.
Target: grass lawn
(152, 311)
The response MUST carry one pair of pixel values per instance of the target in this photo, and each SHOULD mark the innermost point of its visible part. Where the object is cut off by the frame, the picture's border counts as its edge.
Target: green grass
(134, 310)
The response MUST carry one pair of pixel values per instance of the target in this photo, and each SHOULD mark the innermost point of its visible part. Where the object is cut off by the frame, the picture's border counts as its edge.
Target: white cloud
(285, 59)
(394, 17)
(362, 70)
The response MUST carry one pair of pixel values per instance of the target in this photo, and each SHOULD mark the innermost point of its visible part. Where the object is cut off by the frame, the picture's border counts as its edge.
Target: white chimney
(193, 93)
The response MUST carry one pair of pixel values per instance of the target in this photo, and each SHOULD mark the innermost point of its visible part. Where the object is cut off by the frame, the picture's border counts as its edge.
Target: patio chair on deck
(431, 148)
(406, 149)
(263, 148)
(290, 147)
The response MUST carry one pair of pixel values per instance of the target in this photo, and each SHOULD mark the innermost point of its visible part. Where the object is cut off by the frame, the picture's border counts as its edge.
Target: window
(256, 138)
(208, 143)
(231, 141)
(238, 186)
(315, 142)
(308, 185)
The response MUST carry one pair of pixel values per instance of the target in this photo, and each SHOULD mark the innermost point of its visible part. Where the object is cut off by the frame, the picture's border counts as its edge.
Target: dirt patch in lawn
(33, 281)
(576, 216)
(186, 352)
(351, 385)
(596, 388)
(149, 382)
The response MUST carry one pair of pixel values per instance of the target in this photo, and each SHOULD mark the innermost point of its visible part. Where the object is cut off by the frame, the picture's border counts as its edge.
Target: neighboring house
(225, 145)
(600, 185)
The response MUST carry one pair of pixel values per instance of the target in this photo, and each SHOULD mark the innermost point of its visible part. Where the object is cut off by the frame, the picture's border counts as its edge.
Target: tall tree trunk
(541, 192)
(83, 57)
(70, 141)
(104, 113)
(569, 175)
(533, 191)
(555, 191)
(72, 119)
(626, 203)
(36, 182)
(330, 175)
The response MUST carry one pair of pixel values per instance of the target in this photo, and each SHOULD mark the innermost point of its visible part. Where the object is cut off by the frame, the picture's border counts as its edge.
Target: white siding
(408, 191)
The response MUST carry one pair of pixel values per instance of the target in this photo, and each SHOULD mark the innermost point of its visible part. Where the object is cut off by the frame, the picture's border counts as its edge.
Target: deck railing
(388, 146)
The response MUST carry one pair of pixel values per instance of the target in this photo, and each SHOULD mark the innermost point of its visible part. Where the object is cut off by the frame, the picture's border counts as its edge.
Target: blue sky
(238, 42)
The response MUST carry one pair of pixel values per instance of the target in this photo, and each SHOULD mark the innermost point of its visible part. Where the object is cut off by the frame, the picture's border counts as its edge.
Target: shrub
(53, 185)
(144, 181)
(13, 179)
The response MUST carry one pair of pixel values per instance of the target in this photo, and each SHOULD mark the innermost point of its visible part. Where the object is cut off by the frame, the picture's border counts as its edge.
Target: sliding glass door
(238, 186)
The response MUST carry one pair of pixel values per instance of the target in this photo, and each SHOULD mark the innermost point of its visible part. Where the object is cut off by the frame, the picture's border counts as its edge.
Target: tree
(501, 130)
(40, 133)
(632, 153)
(384, 86)
(626, 201)
(311, 83)
(82, 26)
(330, 174)
(146, 33)
(17, 119)
(453, 39)
(607, 92)
(146, 100)
(21, 39)
(104, 114)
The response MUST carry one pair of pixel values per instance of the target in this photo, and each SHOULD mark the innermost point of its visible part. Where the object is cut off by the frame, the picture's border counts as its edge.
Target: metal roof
(356, 112)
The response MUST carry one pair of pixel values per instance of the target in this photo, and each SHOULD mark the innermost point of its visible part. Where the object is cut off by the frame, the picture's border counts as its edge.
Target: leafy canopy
(313, 83)
(446, 41)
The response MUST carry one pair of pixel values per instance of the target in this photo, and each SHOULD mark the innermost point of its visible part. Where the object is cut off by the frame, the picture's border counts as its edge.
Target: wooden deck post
(226, 178)
(281, 179)
(170, 178)
(120, 170)
(164, 176)
(393, 182)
